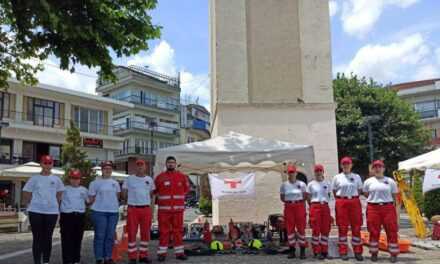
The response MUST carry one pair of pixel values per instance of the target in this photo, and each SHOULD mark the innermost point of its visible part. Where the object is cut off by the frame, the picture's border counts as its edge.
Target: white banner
(242, 185)
(432, 180)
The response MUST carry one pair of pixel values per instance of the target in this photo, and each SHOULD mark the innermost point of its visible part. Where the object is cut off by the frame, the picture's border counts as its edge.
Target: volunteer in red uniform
(137, 191)
(171, 188)
(43, 192)
(320, 219)
(293, 195)
(381, 194)
(347, 187)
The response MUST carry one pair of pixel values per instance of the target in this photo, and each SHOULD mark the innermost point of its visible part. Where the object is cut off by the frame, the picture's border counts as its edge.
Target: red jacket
(171, 188)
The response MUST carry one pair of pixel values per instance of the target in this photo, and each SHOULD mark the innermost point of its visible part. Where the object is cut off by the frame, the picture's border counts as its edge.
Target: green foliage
(417, 191)
(432, 203)
(85, 32)
(398, 132)
(205, 206)
(74, 158)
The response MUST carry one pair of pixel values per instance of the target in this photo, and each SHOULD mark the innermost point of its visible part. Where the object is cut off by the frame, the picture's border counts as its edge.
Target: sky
(391, 41)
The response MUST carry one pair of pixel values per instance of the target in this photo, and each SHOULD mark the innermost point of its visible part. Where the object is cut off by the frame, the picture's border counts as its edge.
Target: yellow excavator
(410, 204)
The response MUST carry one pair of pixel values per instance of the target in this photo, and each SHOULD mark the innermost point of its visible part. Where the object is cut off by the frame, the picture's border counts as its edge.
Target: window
(427, 109)
(44, 112)
(5, 110)
(89, 120)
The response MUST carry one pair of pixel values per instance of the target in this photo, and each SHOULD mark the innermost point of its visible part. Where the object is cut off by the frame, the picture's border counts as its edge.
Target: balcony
(135, 151)
(155, 103)
(136, 125)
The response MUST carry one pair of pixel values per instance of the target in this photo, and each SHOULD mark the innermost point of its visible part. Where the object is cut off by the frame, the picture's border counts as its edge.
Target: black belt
(347, 197)
(138, 206)
(294, 202)
(380, 203)
(319, 203)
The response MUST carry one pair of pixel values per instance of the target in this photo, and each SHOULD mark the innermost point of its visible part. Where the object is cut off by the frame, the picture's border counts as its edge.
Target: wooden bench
(10, 221)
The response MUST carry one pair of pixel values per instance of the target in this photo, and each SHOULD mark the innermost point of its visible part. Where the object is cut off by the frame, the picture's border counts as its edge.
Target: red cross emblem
(233, 183)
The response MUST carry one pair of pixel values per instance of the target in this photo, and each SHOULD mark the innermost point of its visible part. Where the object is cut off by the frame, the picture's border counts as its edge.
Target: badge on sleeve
(52, 183)
(167, 183)
(352, 179)
(325, 187)
(179, 184)
(298, 186)
(386, 182)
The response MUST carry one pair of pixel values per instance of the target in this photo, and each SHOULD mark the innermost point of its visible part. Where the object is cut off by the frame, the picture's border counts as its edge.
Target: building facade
(154, 121)
(425, 97)
(34, 121)
(195, 123)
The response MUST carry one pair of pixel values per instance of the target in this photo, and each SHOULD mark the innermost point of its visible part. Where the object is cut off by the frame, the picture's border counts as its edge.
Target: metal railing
(161, 104)
(144, 126)
(135, 150)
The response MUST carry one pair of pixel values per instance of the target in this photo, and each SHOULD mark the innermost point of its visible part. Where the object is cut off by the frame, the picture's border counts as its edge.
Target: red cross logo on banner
(233, 183)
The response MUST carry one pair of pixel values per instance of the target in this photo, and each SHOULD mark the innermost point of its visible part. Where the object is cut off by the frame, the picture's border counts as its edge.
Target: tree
(398, 132)
(432, 203)
(74, 31)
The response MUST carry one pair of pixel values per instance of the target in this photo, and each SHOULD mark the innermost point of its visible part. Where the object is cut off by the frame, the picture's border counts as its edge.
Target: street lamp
(366, 122)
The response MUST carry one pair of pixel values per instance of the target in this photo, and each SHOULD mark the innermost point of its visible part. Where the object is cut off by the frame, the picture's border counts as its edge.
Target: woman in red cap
(381, 194)
(104, 194)
(347, 186)
(293, 195)
(72, 218)
(320, 219)
(44, 191)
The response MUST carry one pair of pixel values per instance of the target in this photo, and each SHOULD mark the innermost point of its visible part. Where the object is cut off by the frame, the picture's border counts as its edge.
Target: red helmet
(346, 160)
(140, 162)
(319, 168)
(378, 163)
(46, 159)
(75, 174)
(107, 163)
(291, 169)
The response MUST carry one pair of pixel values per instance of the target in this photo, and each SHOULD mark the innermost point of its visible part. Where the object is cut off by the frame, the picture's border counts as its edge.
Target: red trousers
(320, 222)
(386, 216)
(349, 213)
(295, 218)
(170, 226)
(138, 217)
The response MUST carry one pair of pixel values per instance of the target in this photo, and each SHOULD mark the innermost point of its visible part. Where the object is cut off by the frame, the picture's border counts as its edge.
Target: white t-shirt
(319, 191)
(347, 185)
(139, 189)
(74, 199)
(44, 191)
(380, 190)
(293, 191)
(106, 195)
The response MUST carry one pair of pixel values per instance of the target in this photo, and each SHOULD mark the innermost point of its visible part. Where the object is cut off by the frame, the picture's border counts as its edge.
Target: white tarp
(431, 180)
(27, 170)
(241, 185)
(422, 162)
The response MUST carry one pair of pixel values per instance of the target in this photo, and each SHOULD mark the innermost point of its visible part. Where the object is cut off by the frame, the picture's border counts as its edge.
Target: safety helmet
(255, 244)
(216, 245)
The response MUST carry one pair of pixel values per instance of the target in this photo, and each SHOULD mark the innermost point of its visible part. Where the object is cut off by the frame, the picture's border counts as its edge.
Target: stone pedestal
(271, 73)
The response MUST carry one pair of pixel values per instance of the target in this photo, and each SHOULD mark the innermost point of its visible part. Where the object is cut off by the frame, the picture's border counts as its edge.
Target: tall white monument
(271, 72)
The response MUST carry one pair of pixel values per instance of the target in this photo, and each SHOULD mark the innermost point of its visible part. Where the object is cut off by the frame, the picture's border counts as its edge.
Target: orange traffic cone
(116, 256)
(123, 244)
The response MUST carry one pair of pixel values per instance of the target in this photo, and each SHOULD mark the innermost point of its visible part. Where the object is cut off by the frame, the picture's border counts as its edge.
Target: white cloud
(83, 79)
(410, 58)
(333, 8)
(359, 16)
(437, 53)
(162, 60)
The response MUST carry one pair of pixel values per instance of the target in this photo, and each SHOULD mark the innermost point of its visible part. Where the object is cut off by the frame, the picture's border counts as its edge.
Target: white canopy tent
(430, 160)
(235, 152)
(119, 176)
(26, 171)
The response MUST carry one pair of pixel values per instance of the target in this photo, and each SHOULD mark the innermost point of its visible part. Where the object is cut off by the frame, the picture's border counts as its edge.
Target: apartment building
(195, 123)
(154, 121)
(34, 122)
(424, 95)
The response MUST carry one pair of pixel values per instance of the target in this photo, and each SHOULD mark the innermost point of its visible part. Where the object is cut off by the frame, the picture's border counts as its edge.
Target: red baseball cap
(46, 159)
(378, 163)
(107, 163)
(140, 162)
(319, 167)
(346, 160)
(291, 169)
(75, 174)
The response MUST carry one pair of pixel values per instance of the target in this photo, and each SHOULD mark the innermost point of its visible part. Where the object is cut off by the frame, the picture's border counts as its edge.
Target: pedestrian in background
(44, 191)
(319, 191)
(381, 194)
(137, 190)
(104, 194)
(347, 186)
(72, 218)
(293, 195)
